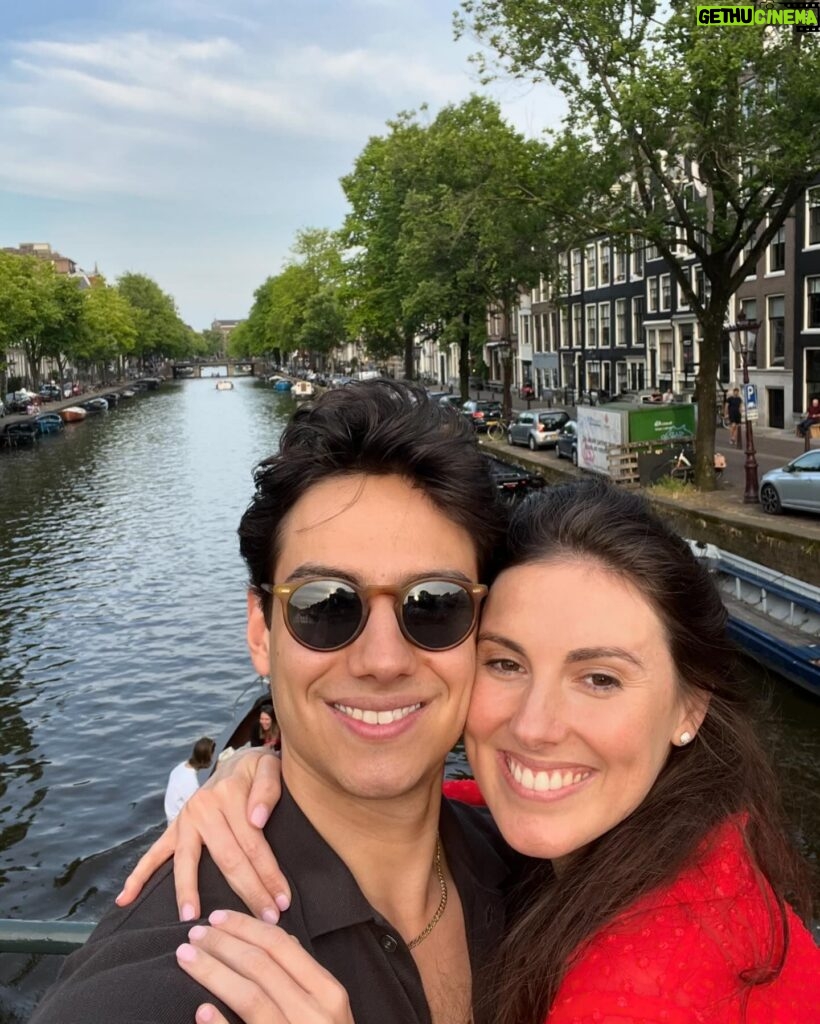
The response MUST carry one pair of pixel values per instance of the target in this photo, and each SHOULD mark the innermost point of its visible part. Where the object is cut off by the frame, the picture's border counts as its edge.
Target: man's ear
(258, 635)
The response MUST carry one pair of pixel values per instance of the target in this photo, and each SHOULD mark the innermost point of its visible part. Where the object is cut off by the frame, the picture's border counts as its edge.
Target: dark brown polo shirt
(127, 972)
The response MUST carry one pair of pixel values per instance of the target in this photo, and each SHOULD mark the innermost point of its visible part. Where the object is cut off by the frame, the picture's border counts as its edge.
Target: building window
(665, 354)
(777, 330)
(813, 215)
(576, 325)
(619, 259)
(683, 298)
(652, 295)
(637, 256)
(592, 317)
(604, 313)
(603, 263)
(591, 281)
(575, 270)
(652, 252)
(666, 291)
(563, 341)
(777, 252)
(637, 320)
(703, 287)
(813, 303)
(620, 321)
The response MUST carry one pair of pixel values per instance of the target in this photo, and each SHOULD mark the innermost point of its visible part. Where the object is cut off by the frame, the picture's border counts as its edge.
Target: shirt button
(388, 943)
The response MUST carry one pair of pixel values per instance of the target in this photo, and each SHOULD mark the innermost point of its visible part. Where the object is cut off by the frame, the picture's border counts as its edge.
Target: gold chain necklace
(442, 884)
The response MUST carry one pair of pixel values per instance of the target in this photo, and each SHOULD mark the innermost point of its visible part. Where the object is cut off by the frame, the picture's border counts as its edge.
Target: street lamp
(743, 336)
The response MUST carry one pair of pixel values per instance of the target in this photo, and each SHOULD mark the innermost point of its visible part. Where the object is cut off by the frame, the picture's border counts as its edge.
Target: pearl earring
(685, 737)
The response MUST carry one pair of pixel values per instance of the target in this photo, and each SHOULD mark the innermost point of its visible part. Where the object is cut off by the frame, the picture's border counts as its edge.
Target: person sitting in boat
(266, 733)
(183, 781)
(618, 749)
(811, 418)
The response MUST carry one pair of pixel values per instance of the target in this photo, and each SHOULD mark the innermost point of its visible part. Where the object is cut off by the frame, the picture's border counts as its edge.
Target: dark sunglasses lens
(437, 614)
(324, 614)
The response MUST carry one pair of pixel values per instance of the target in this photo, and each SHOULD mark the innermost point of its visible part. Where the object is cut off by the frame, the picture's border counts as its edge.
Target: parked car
(795, 485)
(537, 428)
(451, 401)
(481, 414)
(51, 392)
(566, 446)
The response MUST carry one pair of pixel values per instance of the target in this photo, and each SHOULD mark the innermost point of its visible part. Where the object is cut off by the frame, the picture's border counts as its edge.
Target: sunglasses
(434, 614)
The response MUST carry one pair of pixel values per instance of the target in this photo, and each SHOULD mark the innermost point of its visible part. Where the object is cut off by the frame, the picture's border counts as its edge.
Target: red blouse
(676, 955)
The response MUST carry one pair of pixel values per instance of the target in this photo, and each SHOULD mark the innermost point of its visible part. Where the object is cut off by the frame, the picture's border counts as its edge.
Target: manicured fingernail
(187, 912)
(204, 1014)
(119, 897)
(259, 815)
(199, 931)
(281, 901)
(218, 916)
(186, 953)
(270, 915)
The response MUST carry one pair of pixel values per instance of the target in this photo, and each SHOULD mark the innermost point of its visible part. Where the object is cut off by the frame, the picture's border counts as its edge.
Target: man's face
(378, 531)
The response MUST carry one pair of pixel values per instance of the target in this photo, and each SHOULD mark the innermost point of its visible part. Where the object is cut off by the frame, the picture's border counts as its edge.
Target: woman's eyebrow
(590, 653)
(503, 641)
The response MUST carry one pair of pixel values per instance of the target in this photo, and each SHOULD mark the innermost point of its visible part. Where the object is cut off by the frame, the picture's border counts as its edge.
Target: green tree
(471, 235)
(108, 333)
(698, 139)
(160, 332)
(379, 281)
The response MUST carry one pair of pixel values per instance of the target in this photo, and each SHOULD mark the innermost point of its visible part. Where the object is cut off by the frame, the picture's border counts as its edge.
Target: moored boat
(302, 390)
(23, 432)
(95, 405)
(49, 422)
(773, 617)
(73, 414)
(224, 385)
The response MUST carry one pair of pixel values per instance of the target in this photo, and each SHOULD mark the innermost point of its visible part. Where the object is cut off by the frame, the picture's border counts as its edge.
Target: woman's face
(575, 705)
(265, 721)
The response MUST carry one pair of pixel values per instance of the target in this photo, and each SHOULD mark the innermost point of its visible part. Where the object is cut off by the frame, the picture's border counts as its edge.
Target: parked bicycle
(497, 429)
(681, 467)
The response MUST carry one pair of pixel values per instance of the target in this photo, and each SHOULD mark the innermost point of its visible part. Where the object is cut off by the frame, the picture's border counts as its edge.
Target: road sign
(750, 398)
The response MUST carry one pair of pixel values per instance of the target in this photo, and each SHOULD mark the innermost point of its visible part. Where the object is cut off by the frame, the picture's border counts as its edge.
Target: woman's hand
(261, 973)
(227, 815)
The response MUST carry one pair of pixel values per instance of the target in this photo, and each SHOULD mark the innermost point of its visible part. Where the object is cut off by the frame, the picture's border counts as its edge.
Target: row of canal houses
(621, 324)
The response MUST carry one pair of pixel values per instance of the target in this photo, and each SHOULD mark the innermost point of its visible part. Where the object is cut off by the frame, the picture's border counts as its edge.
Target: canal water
(122, 640)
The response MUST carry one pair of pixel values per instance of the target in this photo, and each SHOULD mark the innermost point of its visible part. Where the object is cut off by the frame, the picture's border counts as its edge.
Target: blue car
(795, 485)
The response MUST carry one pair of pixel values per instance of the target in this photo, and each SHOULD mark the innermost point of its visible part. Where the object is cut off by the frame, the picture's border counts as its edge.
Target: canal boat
(23, 432)
(49, 422)
(73, 414)
(303, 390)
(95, 405)
(112, 397)
(127, 393)
(224, 385)
(773, 617)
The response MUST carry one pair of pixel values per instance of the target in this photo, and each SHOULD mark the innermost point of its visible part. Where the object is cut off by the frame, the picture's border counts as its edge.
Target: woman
(615, 746)
(266, 733)
(183, 781)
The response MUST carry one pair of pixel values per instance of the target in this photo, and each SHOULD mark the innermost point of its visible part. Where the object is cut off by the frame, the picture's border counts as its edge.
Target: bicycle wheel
(496, 431)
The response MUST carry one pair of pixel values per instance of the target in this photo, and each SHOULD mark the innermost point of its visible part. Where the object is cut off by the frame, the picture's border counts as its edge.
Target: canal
(122, 640)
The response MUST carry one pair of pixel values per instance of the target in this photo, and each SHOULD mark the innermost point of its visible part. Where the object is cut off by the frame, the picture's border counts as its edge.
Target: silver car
(536, 428)
(795, 485)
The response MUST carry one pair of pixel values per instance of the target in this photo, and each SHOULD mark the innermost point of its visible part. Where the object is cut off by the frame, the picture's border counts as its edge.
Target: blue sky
(190, 139)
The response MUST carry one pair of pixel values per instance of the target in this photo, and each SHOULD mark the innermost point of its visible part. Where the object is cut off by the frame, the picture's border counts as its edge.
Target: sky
(190, 140)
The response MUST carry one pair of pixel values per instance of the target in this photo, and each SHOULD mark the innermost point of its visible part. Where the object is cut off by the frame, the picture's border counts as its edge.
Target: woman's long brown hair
(723, 772)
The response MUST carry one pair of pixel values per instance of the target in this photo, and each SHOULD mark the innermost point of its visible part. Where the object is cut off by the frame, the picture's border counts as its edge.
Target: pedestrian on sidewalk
(811, 418)
(734, 403)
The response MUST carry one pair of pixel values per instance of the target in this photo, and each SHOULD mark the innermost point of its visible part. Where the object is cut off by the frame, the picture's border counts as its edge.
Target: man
(734, 405)
(366, 542)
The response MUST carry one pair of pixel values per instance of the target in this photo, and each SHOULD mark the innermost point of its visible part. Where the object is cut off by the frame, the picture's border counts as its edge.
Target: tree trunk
(707, 398)
(409, 351)
(464, 357)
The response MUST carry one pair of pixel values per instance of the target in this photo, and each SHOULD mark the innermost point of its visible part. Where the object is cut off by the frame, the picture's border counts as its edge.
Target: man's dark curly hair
(378, 427)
